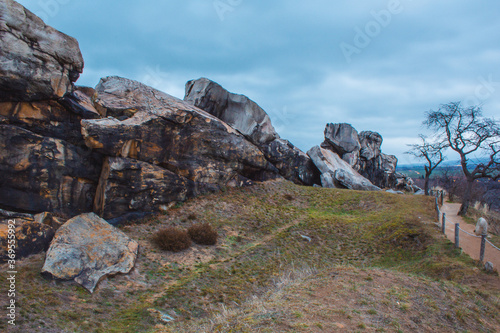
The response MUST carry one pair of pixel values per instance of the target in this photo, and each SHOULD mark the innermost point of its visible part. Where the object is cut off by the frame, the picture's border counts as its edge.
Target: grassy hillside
(289, 259)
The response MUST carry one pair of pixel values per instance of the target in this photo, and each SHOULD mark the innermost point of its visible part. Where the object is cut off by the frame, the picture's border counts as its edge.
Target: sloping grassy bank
(269, 233)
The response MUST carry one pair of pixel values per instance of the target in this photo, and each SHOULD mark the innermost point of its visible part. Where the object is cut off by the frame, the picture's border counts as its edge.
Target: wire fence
(441, 218)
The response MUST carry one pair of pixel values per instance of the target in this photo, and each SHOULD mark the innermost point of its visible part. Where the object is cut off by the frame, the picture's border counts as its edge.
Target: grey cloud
(286, 55)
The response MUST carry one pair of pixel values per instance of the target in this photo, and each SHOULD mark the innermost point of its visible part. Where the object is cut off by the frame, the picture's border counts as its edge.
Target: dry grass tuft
(203, 234)
(172, 239)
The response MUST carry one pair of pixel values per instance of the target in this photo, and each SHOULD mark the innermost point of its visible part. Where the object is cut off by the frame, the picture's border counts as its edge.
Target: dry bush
(172, 239)
(288, 197)
(203, 233)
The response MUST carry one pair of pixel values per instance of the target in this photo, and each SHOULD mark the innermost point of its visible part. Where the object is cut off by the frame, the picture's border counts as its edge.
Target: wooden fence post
(437, 209)
(483, 246)
(444, 223)
(457, 235)
(442, 197)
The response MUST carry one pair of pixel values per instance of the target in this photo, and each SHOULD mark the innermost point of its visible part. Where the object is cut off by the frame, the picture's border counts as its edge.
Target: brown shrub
(203, 233)
(172, 239)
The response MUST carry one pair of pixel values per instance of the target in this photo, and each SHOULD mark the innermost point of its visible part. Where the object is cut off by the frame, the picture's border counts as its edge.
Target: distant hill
(446, 163)
(416, 170)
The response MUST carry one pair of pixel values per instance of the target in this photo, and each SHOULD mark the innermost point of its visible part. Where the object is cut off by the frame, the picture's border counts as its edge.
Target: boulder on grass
(87, 248)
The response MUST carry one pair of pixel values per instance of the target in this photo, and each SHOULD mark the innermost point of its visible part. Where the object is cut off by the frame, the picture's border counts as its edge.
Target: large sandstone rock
(292, 163)
(87, 248)
(380, 169)
(36, 61)
(406, 183)
(370, 144)
(80, 102)
(336, 173)
(127, 186)
(342, 138)
(362, 152)
(49, 118)
(154, 127)
(236, 110)
(45, 174)
(252, 121)
(30, 237)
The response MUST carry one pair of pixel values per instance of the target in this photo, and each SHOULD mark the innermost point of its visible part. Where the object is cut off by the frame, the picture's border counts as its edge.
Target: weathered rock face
(80, 103)
(162, 130)
(362, 152)
(252, 121)
(381, 169)
(292, 163)
(47, 118)
(127, 186)
(236, 110)
(45, 174)
(370, 144)
(44, 163)
(336, 173)
(37, 61)
(30, 237)
(403, 182)
(124, 148)
(87, 248)
(342, 138)
(49, 219)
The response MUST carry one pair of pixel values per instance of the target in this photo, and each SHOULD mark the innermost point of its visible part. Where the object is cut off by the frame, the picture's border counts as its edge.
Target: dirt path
(469, 244)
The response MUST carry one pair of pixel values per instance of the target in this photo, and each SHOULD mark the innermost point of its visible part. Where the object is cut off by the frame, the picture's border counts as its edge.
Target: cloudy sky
(378, 65)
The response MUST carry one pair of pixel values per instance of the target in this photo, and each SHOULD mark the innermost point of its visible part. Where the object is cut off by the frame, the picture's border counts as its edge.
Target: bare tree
(467, 132)
(432, 152)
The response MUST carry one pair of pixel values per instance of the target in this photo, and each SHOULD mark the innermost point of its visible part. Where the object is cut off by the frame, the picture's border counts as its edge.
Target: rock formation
(362, 152)
(37, 61)
(87, 248)
(236, 110)
(128, 186)
(336, 173)
(154, 127)
(41, 173)
(125, 149)
(120, 149)
(341, 138)
(253, 122)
